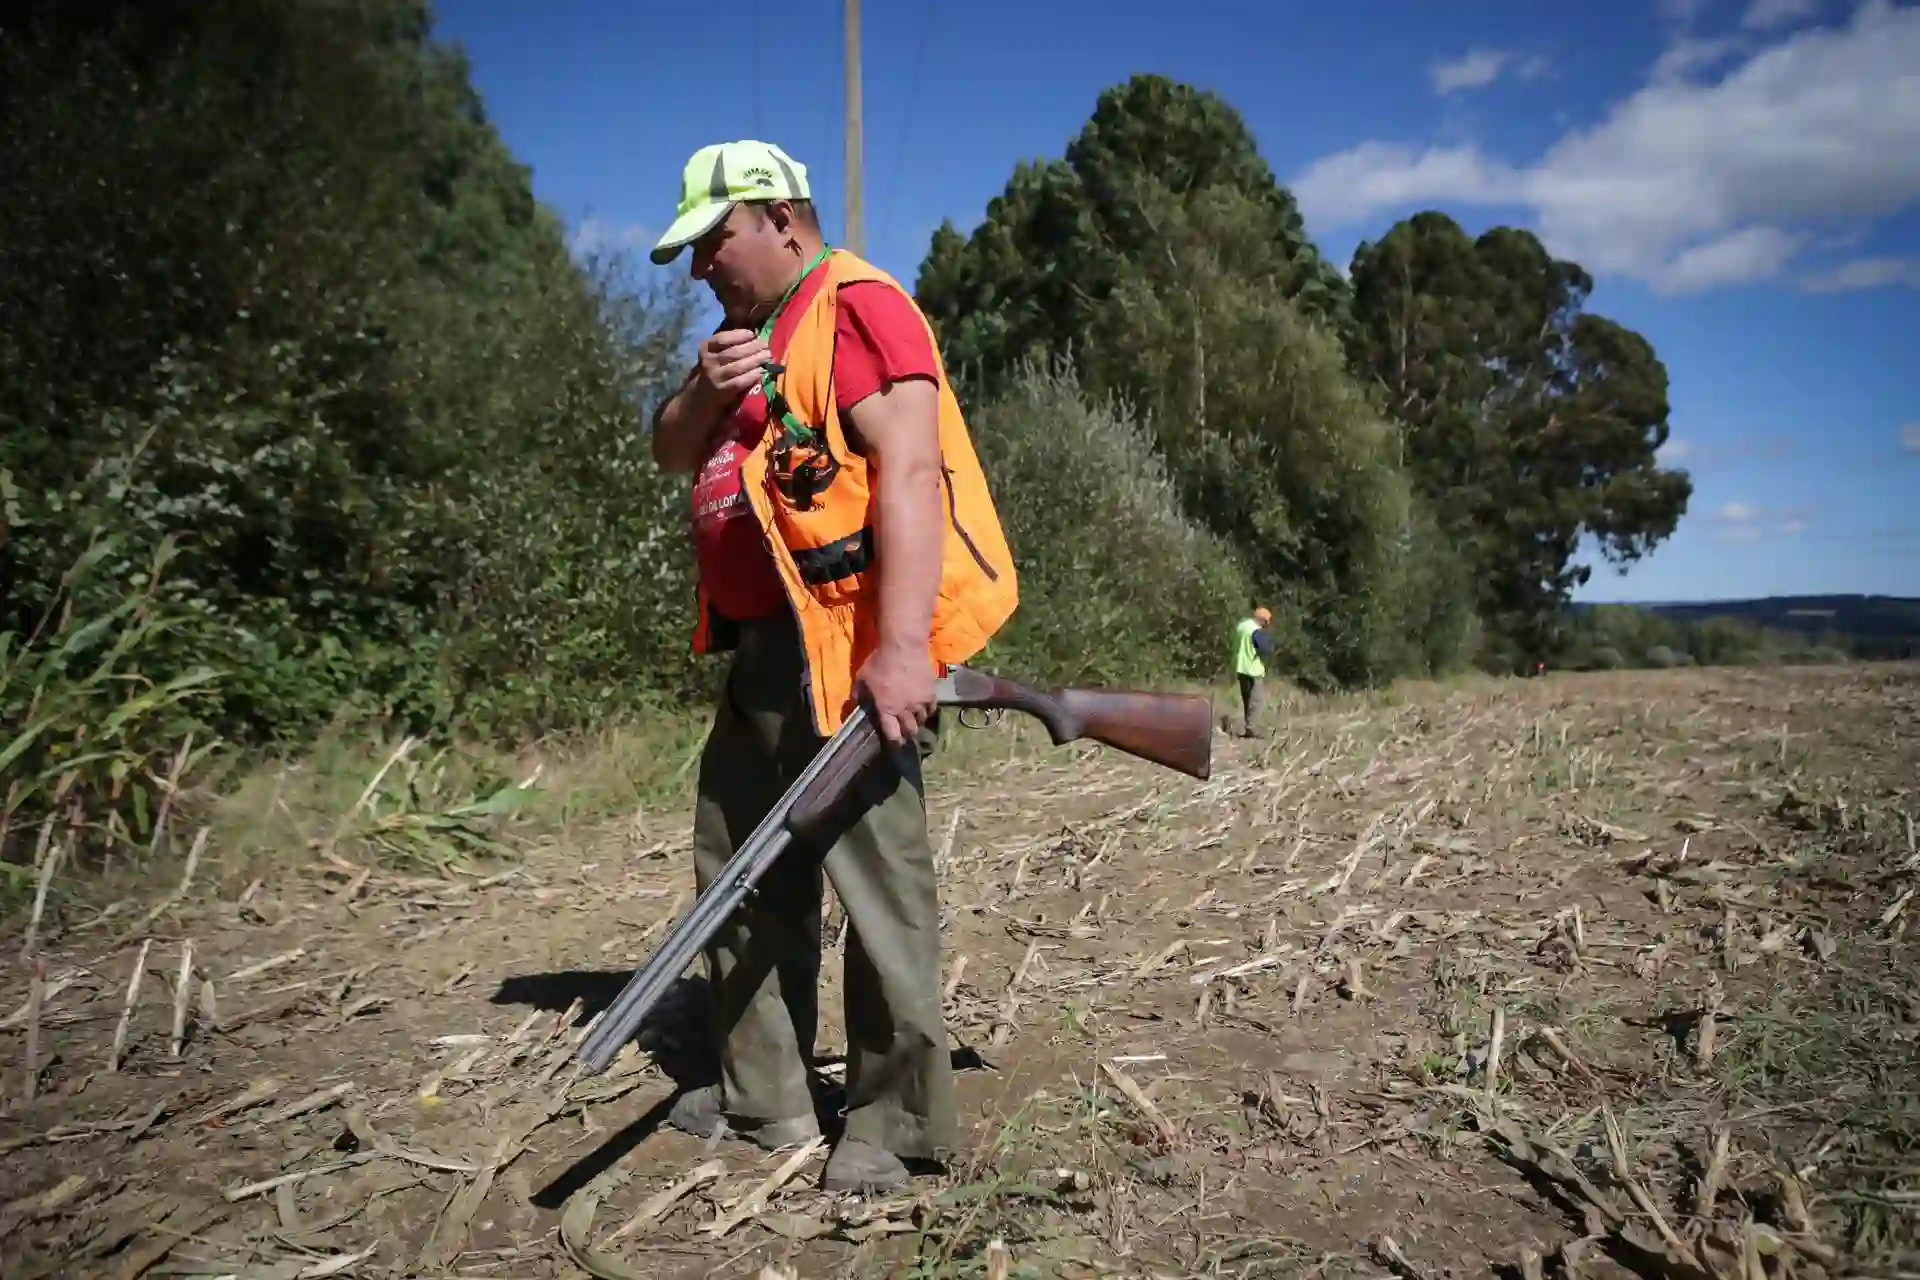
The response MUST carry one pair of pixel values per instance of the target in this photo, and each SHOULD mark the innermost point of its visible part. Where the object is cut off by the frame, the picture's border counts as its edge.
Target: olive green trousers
(763, 965)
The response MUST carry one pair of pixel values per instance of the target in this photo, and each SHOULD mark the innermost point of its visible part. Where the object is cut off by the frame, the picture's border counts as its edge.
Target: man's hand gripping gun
(1174, 730)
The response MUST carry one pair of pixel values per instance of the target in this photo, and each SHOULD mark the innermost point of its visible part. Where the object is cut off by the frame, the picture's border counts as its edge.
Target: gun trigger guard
(989, 716)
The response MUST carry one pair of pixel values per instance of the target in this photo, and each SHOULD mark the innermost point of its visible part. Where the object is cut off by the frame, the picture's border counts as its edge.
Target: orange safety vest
(824, 549)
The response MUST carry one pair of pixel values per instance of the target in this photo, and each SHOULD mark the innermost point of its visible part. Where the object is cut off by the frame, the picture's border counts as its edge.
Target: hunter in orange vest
(817, 499)
(846, 544)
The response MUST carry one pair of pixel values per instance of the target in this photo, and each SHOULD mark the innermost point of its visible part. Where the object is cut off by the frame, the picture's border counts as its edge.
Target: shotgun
(1172, 730)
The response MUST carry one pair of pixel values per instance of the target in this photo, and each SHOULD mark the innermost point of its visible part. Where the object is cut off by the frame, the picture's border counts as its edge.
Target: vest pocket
(815, 498)
(836, 561)
(802, 477)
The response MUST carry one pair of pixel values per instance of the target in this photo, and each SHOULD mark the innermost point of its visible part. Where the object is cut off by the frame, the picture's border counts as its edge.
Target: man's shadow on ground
(677, 1033)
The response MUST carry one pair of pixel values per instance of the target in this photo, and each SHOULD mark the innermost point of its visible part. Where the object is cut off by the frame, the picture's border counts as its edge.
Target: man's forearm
(900, 427)
(682, 428)
(908, 543)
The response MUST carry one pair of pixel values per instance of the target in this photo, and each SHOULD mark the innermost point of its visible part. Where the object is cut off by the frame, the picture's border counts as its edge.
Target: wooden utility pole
(856, 223)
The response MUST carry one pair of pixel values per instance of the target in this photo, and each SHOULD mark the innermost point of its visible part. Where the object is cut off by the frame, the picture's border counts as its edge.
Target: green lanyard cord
(796, 430)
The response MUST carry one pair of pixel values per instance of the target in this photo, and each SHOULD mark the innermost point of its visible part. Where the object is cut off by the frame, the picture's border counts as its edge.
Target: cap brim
(687, 228)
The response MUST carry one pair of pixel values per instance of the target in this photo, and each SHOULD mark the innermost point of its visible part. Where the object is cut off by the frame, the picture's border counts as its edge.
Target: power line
(906, 117)
(829, 118)
(756, 70)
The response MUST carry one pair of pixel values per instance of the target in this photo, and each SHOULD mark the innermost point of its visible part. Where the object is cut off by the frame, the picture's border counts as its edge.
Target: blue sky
(1742, 177)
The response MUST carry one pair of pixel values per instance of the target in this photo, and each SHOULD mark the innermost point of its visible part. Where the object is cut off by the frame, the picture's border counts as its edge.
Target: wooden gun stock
(1174, 730)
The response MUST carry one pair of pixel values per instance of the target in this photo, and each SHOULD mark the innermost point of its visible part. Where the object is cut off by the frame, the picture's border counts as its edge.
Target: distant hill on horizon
(1827, 601)
(1872, 626)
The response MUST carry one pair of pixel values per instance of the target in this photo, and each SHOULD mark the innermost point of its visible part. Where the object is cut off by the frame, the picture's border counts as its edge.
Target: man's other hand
(730, 362)
(684, 424)
(899, 687)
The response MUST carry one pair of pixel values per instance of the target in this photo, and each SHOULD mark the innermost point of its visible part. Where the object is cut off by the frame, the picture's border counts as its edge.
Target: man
(846, 543)
(1252, 650)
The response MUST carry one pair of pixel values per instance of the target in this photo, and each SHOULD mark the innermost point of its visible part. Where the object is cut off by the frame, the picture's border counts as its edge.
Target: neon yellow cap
(723, 175)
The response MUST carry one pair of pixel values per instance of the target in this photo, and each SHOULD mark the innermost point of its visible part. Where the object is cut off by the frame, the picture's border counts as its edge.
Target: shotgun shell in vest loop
(823, 552)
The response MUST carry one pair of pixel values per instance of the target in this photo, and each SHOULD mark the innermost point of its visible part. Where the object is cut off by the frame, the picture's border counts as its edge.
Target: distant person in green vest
(1252, 650)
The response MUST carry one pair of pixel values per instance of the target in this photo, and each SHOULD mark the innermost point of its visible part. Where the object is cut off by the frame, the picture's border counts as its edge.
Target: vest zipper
(953, 517)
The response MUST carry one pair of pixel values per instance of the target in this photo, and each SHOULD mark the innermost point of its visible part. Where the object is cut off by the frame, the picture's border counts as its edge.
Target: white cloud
(1689, 184)
(1751, 253)
(1746, 522)
(1474, 69)
(1679, 449)
(1478, 68)
(1910, 437)
(595, 236)
(1765, 15)
(1864, 273)
(1381, 175)
(1690, 54)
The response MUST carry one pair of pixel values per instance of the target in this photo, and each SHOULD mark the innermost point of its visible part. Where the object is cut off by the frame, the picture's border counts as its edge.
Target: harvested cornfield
(1585, 974)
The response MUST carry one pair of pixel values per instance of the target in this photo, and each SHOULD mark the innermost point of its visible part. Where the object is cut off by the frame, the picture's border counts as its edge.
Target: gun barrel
(616, 1025)
(624, 1016)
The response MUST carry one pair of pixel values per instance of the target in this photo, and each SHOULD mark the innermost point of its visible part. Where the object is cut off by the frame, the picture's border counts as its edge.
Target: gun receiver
(1172, 730)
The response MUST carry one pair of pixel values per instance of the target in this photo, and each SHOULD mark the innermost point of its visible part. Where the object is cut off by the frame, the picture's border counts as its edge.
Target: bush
(1662, 640)
(273, 288)
(572, 593)
(1116, 584)
(1275, 447)
(91, 737)
(1438, 631)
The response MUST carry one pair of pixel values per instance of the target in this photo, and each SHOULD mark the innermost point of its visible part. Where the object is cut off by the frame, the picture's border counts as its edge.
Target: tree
(1117, 585)
(275, 249)
(1050, 253)
(1164, 264)
(1153, 133)
(1528, 422)
(1023, 285)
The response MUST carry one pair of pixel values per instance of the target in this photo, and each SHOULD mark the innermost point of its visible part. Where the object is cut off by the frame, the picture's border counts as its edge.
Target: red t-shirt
(878, 339)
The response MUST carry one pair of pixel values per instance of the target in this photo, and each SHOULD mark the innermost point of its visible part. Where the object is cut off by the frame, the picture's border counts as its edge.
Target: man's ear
(780, 213)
